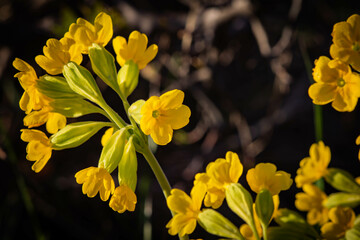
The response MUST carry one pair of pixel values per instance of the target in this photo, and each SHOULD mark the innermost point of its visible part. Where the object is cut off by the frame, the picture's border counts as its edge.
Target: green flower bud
(128, 166)
(264, 206)
(128, 78)
(74, 107)
(55, 87)
(342, 180)
(103, 64)
(75, 134)
(135, 110)
(215, 223)
(343, 199)
(240, 202)
(82, 82)
(113, 151)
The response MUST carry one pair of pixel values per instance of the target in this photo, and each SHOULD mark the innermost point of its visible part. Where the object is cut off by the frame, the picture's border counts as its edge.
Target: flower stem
(160, 176)
(264, 228)
(112, 114)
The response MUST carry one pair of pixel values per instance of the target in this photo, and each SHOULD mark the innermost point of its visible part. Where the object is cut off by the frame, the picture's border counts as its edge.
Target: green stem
(112, 114)
(254, 230)
(160, 176)
(264, 228)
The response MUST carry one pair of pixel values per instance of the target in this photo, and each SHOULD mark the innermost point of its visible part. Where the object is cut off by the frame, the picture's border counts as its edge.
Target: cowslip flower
(85, 33)
(135, 49)
(54, 121)
(346, 41)
(357, 141)
(311, 200)
(314, 167)
(265, 176)
(94, 180)
(58, 53)
(219, 174)
(341, 219)
(186, 208)
(336, 83)
(123, 199)
(38, 148)
(160, 115)
(32, 99)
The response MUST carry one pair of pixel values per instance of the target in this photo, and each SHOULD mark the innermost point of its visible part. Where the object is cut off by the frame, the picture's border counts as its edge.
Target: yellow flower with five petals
(346, 41)
(135, 49)
(160, 115)
(342, 219)
(336, 83)
(123, 199)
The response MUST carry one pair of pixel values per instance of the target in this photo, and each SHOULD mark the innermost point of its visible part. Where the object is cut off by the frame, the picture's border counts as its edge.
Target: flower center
(356, 47)
(155, 114)
(340, 83)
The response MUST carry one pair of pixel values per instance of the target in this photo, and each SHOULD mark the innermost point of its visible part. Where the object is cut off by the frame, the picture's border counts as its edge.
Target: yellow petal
(28, 135)
(236, 168)
(178, 118)
(149, 55)
(172, 99)
(55, 122)
(354, 21)
(342, 35)
(162, 135)
(179, 201)
(103, 28)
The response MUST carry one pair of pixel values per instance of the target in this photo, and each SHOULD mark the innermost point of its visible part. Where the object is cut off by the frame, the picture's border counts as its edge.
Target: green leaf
(343, 199)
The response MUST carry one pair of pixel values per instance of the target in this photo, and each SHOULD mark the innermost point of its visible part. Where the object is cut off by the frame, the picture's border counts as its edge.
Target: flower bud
(113, 151)
(103, 64)
(128, 78)
(55, 87)
(215, 223)
(82, 82)
(343, 199)
(74, 107)
(342, 180)
(75, 134)
(264, 206)
(128, 166)
(135, 110)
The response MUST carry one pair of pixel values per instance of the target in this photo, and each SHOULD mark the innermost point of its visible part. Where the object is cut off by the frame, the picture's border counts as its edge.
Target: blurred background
(244, 67)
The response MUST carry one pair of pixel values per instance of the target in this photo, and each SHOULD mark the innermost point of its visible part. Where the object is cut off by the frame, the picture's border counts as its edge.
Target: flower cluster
(69, 90)
(335, 80)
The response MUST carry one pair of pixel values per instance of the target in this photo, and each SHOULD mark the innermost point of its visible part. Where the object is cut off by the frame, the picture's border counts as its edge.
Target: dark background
(242, 66)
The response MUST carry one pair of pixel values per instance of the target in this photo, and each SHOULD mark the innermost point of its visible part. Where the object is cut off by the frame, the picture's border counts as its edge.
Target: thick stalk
(112, 114)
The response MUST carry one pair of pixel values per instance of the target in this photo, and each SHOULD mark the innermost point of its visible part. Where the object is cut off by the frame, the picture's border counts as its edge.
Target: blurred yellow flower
(85, 33)
(96, 180)
(135, 49)
(123, 199)
(54, 121)
(265, 176)
(219, 174)
(346, 41)
(186, 208)
(357, 141)
(32, 99)
(311, 200)
(160, 115)
(336, 83)
(342, 219)
(38, 148)
(57, 53)
(314, 167)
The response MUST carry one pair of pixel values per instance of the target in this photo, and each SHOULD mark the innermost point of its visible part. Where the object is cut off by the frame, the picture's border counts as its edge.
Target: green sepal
(103, 65)
(287, 233)
(127, 172)
(353, 233)
(216, 224)
(82, 82)
(55, 87)
(135, 110)
(75, 134)
(128, 78)
(342, 180)
(113, 150)
(343, 199)
(240, 202)
(73, 108)
(264, 206)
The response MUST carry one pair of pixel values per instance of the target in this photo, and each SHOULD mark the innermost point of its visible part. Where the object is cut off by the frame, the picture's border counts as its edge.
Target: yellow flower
(85, 33)
(311, 200)
(357, 141)
(342, 219)
(245, 229)
(265, 176)
(186, 209)
(32, 99)
(54, 121)
(160, 115)
(105, 138)
(314, 167)
(57, 54)
(96, 180)
(38, 148)
(346, 41)
(123, 199)
(336, 83)
(134, 50)
(218, 176)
